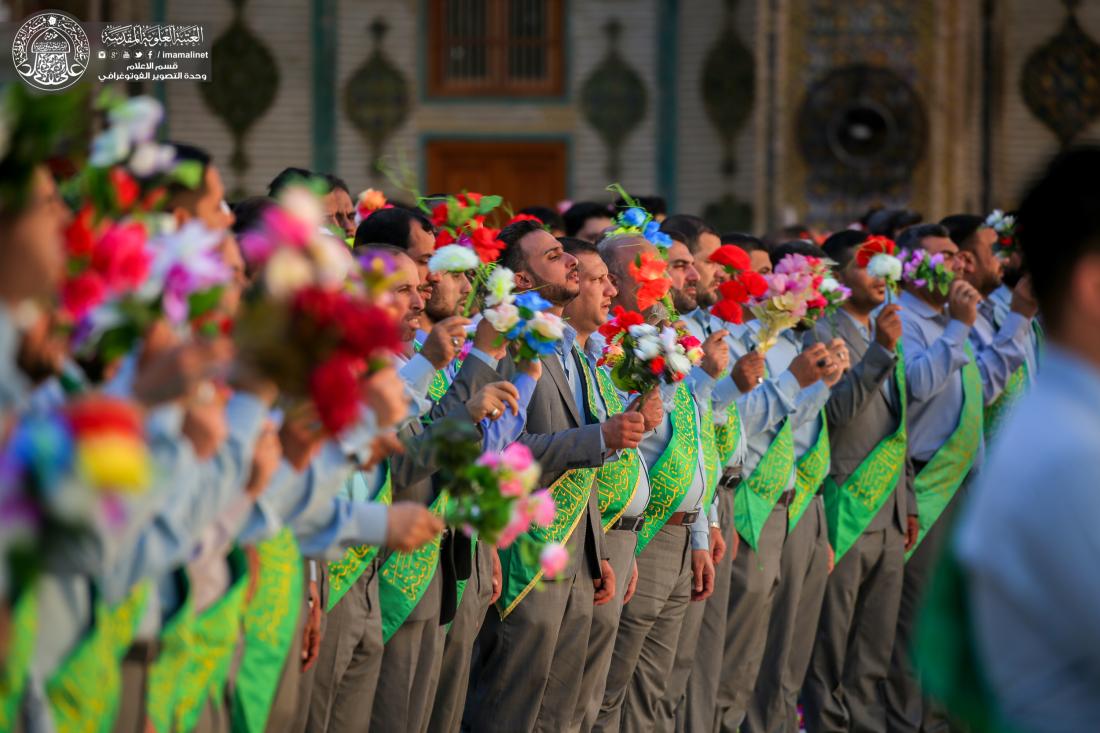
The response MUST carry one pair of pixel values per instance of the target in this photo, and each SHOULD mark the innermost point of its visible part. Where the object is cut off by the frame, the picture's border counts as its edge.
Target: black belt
(143, 652)
(683, 519)
(731, 478)
(629, 524)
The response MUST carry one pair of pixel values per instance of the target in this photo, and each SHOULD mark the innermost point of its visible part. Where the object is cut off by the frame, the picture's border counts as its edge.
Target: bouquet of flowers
(534, 331)
(652, 284)
(302, 327)
(460, 222)
(742, 285)
(876, 255)
(634, 219)
(785, 302)
(69, 470)
(640, 355)
(924, 270)
(493, 494)
(1005, 226)
(121, 283)
(370, 201)
(829, 293)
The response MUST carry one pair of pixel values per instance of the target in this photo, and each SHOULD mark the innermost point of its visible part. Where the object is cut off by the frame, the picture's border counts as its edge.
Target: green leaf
(187, 173)
(488, 203)
(204, 301)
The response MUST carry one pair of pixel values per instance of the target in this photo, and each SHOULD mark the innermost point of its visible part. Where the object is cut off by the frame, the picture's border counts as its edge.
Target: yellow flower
(113, 462)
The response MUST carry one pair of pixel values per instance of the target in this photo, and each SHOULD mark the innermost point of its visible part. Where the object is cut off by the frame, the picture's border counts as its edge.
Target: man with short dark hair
(531, 651)
(1005, 337)
(338, 207)
(1027, 539)
(587, 220)
(869, 505)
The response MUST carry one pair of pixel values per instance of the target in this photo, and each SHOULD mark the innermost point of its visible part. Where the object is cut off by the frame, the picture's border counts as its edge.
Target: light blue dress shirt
(1001, 301)
(935, 353)
(1028, 543)
(806, 421)
(999, 350)
(14, 386)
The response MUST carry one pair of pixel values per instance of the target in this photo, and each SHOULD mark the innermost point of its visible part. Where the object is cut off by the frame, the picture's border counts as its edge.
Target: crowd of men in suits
(749, 548)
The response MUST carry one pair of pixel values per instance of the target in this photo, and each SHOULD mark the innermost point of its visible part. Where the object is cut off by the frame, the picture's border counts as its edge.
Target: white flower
(885, 266)
(195, 248)
(669, 339)
(678, 362)
(109, 147)
(303, 205)
(287, 272)
(828, 285)
(547, 325)
(647, 347)
(499, 286)
(643, 330)
(332, 258)
(502, 316)
(453, 258)
(150, 158)
(137, 118)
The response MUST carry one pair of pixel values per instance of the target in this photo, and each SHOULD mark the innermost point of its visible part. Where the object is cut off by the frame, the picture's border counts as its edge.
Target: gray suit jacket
(860, 414)
(559, 438)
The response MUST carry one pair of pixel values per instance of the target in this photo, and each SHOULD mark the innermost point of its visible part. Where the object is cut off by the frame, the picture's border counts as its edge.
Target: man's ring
(455, 342)
(759, 380)
(494, 413)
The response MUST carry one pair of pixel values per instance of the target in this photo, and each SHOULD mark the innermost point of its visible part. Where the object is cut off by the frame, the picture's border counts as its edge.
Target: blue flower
(634, 217)
(652, 229)
(516, 330)
(542, 348)
(660, 239)
(532, 301)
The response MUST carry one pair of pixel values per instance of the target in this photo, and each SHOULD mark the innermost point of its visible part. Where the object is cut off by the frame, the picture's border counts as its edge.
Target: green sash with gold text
(810, 470)
(270, 623)
(343, 573)
(616, 481)
(177, 638)
(711, 464)
(85, 690)
(850, 508)
(15, 669)
(755, 497)
(405, 576)
(727, 436)
(942, 476)
(216, 632)
(672, 474)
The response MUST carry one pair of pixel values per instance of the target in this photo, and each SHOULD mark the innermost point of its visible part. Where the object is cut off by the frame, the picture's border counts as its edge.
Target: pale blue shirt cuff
(506, 428)
(701, 383)
(788, 386)
(368, 522)
(1014, 325)
(356, 441)
(418, 374)
(712, 513)
(724, 393)
(479, 354)
(245, 415)
(700, 532)
(956, 333)
(165, 421)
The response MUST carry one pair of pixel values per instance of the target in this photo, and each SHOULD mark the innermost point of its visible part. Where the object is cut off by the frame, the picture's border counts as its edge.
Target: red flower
(650, 292)
(121, 256)
(82, 293)
(754, 282)
(469, 199)
(440, 214)
(367, 330)
(734, 290)
(334, 387)
(621, 320)
(874, 245)
(319, 305)
(126, 188)
(817, 302)
(727, 310)
(79, 238)
(689, 342)
(486, 244)
(443, 238)
(657, 364)
(98, 414)
(733, 257)
(526, 217)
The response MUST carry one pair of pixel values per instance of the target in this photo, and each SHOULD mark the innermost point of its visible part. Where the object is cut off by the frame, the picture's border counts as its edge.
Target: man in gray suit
(528, 666)
(855, 635)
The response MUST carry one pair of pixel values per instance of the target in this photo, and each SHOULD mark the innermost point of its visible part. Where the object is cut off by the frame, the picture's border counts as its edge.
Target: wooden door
(525, 173)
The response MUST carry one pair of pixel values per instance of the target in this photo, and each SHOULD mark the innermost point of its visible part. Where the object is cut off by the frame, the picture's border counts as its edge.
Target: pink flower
(519, 524)
(512, 487)
(82, 293)
(553, 560)
(121, 257)
(489, 460)
(517, 457)
(542, 508)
